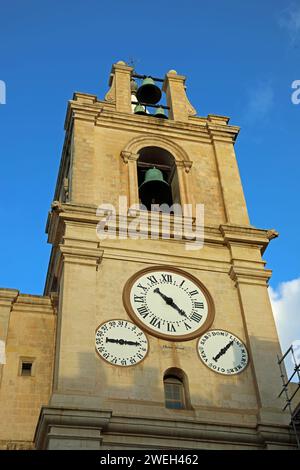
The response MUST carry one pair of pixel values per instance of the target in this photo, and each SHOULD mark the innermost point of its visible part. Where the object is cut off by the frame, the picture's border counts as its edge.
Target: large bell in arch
(148, 92)
(154, 189)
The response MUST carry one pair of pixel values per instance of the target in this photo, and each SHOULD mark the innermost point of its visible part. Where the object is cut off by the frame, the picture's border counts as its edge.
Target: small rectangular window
(27, 366)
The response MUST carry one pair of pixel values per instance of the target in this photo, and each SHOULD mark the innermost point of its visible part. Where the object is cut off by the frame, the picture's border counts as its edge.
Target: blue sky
(240, 59)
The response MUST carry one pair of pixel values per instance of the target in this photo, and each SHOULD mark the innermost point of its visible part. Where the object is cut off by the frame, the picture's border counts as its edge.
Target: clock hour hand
(122, 342)
(169, 301)
(222, 351)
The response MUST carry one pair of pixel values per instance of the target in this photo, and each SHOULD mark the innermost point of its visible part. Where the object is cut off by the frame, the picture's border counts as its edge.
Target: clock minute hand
(179, 310)
(169, 301)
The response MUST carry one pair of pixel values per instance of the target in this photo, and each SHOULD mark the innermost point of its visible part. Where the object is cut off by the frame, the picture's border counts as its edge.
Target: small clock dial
(222, 352)
(121, 343)
(168, 303)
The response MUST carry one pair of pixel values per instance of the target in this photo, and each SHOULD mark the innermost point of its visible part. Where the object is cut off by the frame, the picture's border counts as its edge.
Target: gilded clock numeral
(196, 317)
(166, 278)
(139, 298)
(143, 311)
(199, 305)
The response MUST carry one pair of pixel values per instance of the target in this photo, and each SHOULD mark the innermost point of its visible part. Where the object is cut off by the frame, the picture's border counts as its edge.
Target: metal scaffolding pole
(285, 390)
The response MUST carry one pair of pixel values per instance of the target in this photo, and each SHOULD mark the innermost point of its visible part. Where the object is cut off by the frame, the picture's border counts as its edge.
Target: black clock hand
(222, 351)
(131, 343)
(122, 342)
(169, 301)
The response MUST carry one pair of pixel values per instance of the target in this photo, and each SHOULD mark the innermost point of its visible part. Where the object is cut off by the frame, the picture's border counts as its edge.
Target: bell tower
(158, 345)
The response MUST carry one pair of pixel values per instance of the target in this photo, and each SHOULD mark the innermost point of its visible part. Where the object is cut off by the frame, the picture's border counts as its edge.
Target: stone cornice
(89, 108)
(36, 304)
(81, 255)
(145, 124)
(222, 133)
(185, 429)
(225, 234)
(8, 296)
(235, 234)
(247, 275)
(242, 266)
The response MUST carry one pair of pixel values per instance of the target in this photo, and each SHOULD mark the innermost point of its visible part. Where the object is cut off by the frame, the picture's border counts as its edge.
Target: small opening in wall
(26, 368)
(176, 389)
(161, 187)
(174, 393)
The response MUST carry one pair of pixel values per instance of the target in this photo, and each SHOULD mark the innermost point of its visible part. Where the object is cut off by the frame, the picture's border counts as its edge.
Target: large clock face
(121, 343)
(168, 303)
(223, 352)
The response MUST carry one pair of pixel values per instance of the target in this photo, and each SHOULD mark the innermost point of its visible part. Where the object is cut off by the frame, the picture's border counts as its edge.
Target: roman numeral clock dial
(168, 303)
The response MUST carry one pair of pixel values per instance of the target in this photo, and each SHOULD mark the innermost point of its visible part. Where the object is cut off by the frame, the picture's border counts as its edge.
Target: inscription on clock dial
(121, 343)
(222, 352)
(168, 303)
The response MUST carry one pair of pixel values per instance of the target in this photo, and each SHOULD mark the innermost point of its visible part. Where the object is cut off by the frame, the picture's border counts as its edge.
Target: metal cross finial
(132, 62)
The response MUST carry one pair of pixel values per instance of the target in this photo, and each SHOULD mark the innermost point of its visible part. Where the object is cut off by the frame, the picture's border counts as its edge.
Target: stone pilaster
(7, 299)
(222, 139)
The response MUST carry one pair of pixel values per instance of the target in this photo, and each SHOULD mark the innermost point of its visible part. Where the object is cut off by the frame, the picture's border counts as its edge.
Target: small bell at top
(133, 86)
(139, 109)
(160, 113)
(148, 92)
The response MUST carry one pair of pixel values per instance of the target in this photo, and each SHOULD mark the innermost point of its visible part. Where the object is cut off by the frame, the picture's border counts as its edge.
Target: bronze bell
(133, 86)
(160, 113)
(148, 92)
(139, 109)
(154, 189)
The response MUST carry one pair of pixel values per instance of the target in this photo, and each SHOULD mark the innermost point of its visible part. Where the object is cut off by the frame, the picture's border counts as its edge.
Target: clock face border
(118, 365)
(180, 338)
(214, 371)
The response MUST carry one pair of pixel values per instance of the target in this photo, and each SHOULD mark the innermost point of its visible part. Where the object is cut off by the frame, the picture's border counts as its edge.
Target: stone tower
(130, 360)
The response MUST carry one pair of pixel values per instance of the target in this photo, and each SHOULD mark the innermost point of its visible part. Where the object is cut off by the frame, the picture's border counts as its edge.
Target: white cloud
(260, 102)
(286, 308)
(290, 21)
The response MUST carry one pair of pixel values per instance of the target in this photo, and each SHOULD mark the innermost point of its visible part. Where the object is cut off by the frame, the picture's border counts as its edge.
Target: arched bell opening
(157, 178)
